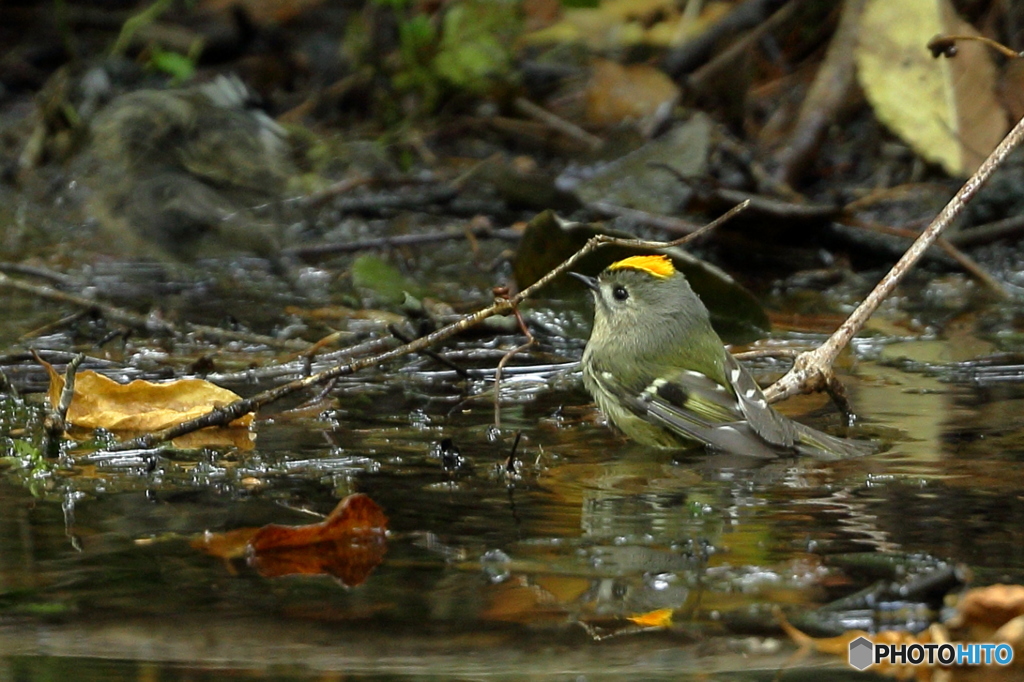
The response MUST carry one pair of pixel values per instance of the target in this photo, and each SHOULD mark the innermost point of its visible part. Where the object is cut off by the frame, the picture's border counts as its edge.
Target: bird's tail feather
(818, 444)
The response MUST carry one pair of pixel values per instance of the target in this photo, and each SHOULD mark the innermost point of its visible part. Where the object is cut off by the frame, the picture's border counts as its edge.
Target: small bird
(661, 373)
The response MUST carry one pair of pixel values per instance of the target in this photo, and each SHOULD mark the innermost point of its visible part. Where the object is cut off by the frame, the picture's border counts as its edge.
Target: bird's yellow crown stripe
(658, 266)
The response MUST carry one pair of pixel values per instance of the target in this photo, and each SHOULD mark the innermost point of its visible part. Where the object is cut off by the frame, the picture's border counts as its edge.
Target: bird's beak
(590, 282)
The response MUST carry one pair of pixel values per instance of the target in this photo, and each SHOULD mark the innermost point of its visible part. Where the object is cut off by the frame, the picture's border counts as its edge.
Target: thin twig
(321, 197)
(558, 123)
(437, 357)
(946, 46)
(148, 324)
(68, 392)
(225, 415)
(776, 208)
(54, 357)
(53, 276)
(667, 223)
(973, 268)
(989, 232)
(49, 327)
(712, 70)
(510, 463)
(962, 259)
(7, 387)
(813, 369)
(759, 353)
(504, 359)
(55, 422)
(398, 240)
(123, 333)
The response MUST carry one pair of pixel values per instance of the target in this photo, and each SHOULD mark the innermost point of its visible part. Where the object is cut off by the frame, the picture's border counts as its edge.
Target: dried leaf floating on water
(139, 406)
(348, 544)
(991, 606)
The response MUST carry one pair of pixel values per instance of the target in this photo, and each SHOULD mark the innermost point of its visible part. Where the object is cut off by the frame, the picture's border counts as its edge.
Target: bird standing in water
(662, 375)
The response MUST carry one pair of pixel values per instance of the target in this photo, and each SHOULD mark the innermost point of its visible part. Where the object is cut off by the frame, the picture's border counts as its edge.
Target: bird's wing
(691, 405)
(782, 431)
(766, 422)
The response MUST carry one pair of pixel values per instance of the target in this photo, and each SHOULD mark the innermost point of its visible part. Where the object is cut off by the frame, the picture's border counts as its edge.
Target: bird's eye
(619, 293)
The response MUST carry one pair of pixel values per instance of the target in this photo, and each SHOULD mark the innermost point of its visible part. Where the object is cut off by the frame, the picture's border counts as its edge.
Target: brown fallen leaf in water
(348, 544)
(233, 544)
(992, 614)
(991, 606)
(518, 601)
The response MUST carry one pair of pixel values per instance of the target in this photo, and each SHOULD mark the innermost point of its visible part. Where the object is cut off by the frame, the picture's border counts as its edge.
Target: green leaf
(472, 50)
(178, 66)
(416, 36)
(22, 448)
(134, 23)
(382, 280)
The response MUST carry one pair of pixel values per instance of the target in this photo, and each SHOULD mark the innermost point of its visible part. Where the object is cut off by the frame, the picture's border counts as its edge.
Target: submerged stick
(144, 322)
(315, 250)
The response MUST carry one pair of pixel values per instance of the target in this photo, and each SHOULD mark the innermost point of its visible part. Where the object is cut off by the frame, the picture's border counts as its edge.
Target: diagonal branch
(812, 370)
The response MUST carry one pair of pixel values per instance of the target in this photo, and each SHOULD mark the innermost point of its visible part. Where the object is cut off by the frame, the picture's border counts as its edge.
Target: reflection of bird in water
(179, 172)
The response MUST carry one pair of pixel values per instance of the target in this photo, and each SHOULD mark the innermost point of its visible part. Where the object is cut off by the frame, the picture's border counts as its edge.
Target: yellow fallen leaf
(662, 618)
(946, 109)
(617, 23)
(139, 406)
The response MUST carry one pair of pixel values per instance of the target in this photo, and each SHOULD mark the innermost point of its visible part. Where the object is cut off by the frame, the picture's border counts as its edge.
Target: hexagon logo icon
(862, 653)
